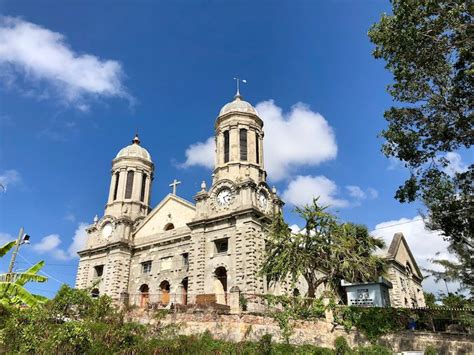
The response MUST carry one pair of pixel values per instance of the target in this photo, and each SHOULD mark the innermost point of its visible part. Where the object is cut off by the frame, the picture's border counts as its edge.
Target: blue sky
(84, 76)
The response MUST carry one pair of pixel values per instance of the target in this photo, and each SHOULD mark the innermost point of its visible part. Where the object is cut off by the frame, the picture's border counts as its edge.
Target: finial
(203, 186)
(274, 189)
(237, 94)
(96, 219)
(136, 140)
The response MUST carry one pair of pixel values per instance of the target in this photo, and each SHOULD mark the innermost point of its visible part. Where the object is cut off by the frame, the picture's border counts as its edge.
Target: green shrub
(372, 350)
(265, 344)
(431, 350)
(341, 346)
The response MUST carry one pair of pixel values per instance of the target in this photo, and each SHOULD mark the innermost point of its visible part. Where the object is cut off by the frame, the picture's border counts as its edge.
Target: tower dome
(238, 105)
(134, 150)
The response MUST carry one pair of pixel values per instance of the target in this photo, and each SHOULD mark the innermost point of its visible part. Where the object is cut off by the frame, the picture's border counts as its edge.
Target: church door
(184, 288)
(165, 292)
(220, 285)
(144, 296)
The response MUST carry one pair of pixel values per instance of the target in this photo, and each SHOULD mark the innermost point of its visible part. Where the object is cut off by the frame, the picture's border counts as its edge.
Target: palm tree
(12, 291)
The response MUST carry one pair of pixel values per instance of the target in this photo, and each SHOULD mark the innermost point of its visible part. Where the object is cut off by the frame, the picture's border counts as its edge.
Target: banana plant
(11, 284)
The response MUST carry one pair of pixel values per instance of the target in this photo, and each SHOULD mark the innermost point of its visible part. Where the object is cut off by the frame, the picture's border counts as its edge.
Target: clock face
(224, 197)
(107, 230)
(262, 200)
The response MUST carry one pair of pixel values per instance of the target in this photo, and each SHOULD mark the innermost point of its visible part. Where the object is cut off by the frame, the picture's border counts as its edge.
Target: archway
(144, 295)
(165, 292)
(184, 291)
(95, 293)
(220, 285)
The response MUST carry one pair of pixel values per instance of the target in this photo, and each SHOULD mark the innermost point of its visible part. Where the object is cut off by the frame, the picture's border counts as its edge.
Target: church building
(182, 252)
(180, 249)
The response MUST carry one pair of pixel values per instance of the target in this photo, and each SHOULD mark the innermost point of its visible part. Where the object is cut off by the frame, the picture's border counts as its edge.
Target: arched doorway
(184, 291)
(144, 295)
(165, 292)
(220, 285)
(95, 293)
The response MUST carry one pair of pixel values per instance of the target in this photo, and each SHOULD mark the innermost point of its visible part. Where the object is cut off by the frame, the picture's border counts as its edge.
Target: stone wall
(250, 327)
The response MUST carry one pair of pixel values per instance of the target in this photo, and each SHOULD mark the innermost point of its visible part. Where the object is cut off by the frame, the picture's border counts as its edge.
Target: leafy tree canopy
(324, 252)
(428, 46)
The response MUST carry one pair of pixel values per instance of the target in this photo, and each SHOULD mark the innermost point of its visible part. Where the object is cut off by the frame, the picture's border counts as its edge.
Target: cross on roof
(174, 184)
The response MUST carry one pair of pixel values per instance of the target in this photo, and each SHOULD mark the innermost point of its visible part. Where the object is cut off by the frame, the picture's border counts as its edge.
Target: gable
(400, 252)
(171, 210)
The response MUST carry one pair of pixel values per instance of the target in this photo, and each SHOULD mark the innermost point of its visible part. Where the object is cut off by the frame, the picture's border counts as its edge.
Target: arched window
(95, 293)
(144, 295)
(226, 146)
(169, 227)
(142, 192)
(243, 144)
(117, 176)
(129, 185)
(257, 149)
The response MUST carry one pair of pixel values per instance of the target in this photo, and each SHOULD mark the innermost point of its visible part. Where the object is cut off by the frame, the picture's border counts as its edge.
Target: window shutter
(243, 144)
(129, 185)
(142, 192)
(117, 175)
(226, 146)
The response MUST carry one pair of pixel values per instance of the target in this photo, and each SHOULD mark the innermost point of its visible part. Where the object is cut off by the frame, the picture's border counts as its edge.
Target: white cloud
(78, 241)
(47, 244)
(299, 138)
(356, 192)
(423, 243)
(9, 177)
(70, 217)
(201, 153)
(39, 55)
(51, 244)
(455, 164)
(5, 238)
(372, 193)
(302, 189)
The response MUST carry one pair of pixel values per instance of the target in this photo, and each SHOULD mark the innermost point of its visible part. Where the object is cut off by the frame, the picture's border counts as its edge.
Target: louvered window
(117, 175)
(226, 146)
(257, 148)
(129, 185)
(243, 144)
(142, 192)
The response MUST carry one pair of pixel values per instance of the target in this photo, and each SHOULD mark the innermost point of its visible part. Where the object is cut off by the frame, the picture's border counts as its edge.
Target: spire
(237, 94)
(136, 140)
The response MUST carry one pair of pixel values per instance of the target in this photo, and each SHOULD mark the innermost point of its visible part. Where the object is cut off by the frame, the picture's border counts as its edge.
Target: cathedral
(182, 252)
(179, 250)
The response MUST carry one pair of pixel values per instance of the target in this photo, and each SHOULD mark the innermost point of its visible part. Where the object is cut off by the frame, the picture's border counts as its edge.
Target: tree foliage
(428, 45)
(12, 291)
(324, 252)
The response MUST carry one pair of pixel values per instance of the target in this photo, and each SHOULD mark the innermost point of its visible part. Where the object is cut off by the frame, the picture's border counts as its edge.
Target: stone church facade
(179, 251)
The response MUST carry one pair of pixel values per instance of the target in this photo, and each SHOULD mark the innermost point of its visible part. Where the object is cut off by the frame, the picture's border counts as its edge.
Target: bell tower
(106, 258)
(231, 219)
(239, 142)
(130, 185)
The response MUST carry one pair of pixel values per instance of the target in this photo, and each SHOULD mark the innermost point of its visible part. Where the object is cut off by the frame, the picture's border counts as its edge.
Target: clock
(224, 197)
(107, 230)
(262, 200)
